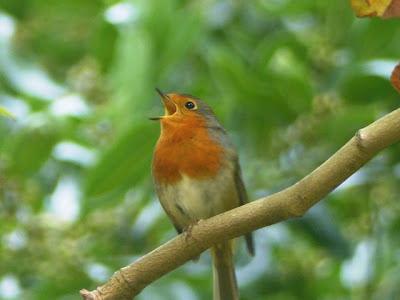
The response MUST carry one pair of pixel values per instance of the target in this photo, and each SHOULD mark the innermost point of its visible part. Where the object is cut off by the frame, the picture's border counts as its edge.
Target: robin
(197, 175)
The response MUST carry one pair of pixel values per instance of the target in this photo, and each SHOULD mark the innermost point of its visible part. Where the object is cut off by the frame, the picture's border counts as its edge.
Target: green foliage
(5, 113)
(290, 80)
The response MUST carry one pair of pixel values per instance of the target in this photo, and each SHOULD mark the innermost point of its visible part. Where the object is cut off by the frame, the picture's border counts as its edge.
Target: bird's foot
(188, 230)
(188, 234)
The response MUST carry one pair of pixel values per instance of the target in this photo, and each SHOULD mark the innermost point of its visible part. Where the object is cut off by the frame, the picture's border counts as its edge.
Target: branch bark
(289, 203)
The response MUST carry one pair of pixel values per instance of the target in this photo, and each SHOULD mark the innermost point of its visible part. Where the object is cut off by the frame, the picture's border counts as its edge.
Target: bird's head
(183, 109)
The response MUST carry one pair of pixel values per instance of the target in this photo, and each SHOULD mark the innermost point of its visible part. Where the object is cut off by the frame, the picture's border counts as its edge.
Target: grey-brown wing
(243, 199)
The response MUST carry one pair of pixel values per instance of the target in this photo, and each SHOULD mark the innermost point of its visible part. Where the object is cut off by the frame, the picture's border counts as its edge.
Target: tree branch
(291, 202)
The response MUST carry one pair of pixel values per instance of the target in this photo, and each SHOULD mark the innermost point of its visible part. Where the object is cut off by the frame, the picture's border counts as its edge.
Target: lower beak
(155, 118)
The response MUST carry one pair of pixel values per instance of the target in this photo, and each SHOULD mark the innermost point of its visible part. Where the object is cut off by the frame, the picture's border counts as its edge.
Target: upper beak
(169, 105)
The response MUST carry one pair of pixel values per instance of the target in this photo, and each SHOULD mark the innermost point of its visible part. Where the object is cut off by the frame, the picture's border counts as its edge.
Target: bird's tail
(225, 285)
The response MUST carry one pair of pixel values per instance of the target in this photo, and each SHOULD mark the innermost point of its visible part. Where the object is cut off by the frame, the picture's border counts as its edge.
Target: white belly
(190, 200)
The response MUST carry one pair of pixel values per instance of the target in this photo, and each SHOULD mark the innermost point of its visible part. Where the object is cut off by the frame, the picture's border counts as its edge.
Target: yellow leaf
(5, 113)
(370, 8)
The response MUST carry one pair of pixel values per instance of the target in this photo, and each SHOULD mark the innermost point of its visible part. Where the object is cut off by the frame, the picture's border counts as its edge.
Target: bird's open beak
(169, 105)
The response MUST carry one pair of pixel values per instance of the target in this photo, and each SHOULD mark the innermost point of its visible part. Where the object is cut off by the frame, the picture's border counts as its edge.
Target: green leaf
(30, 150)
(121, 166)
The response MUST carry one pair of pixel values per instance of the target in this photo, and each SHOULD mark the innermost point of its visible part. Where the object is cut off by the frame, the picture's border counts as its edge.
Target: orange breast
(185, 148)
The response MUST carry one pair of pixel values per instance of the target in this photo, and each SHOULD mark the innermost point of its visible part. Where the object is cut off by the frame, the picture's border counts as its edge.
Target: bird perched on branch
(197, 175)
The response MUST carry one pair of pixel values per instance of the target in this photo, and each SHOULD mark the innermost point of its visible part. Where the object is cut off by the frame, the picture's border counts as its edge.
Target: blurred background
(290, 80)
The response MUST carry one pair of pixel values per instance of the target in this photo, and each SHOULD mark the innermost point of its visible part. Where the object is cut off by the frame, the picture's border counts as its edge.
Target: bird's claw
(188, 230)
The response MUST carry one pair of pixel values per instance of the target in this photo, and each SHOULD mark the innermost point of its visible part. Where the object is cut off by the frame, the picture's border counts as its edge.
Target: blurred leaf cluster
(5, 113)
(290, 80)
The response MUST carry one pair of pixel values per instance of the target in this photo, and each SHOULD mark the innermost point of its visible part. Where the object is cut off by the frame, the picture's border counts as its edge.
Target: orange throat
(185, 148)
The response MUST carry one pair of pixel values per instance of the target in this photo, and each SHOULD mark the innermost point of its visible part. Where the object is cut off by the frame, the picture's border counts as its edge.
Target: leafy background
(290, 80)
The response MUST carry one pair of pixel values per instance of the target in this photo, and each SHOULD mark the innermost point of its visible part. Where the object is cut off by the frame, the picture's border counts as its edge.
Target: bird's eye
(190, 105)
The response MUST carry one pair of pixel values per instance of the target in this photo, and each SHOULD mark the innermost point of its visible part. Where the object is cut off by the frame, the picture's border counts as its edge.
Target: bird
(196, 174)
